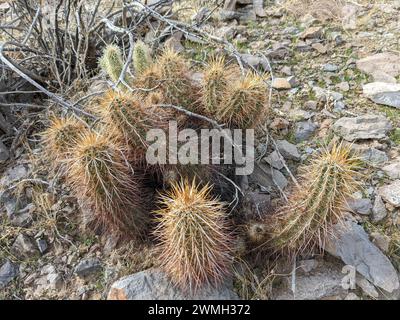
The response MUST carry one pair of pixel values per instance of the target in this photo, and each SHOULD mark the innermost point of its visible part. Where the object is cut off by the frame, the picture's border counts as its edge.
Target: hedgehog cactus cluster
(104, 164)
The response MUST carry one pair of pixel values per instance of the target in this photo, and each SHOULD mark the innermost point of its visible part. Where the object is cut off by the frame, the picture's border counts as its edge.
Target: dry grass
(251, 284)
(193, 234)
(313, 208)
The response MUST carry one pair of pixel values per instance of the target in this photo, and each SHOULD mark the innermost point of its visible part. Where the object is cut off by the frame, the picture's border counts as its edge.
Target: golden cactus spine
(194, 237)
(244, 102)
(106, 185)
(141, 57)
(319, 203)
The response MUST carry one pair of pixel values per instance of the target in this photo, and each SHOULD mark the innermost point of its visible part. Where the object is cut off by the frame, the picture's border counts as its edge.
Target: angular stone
(362, 127)
(392, 170)
(351, 243)
(383, 93)
(391, 193)
(385, 62)
(366, 287)
(322, 282)
(288, 150)
(274, 160)
(281, 84)
(24, 247)
(381, 241)
(319, 47)
(379, 211)
(153, 284)
(4, 153)
(87, 267)
(360, 206)
(370, 155)
(311, 33)
(324, 94)
(8, 272)
(329, 67)
(266, 176)
(304, 130)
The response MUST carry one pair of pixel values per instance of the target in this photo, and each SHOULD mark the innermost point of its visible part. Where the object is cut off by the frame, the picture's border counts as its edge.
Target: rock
(386, 62)
(201, 14)
(366, 287)
(13, 174)
(266, 176)
(370, 155)
(349, 17)
(383, 93)
(8, 272)
(362, 127)
(319, 47)
(329, 67)
(391, 193)
(279, 124)
(4, 153)
(274, 160)
(287, 70)
(227, 15)
(256, 62)
(259, 8)
(338, 106)
(279, 51)
(88, 267)
(42, 245)
(352, 296)
(174, 42)
(304, 130)
(343, 86)
(323, 282)
(311, 105)
(153, 284)
(360, 206)
(303, 46)
(351, 243)
(380, 76)
(288, 150)
(308, 265)
(20, 219)
(24, 247)
(49, 280)
(379, 211)
(324, 94)
(311, 33)
(284, 83)
(226, 32)
(381, 241)
(392, 170)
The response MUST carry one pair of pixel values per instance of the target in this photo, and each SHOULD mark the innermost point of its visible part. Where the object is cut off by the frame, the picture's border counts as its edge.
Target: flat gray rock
(391, 193)
(384, 93)
(153, 284)
(362, 127)
(392, 170)
(351, 243)
(385, 62)
(322, 282)
(288, 150)
(8, 272)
